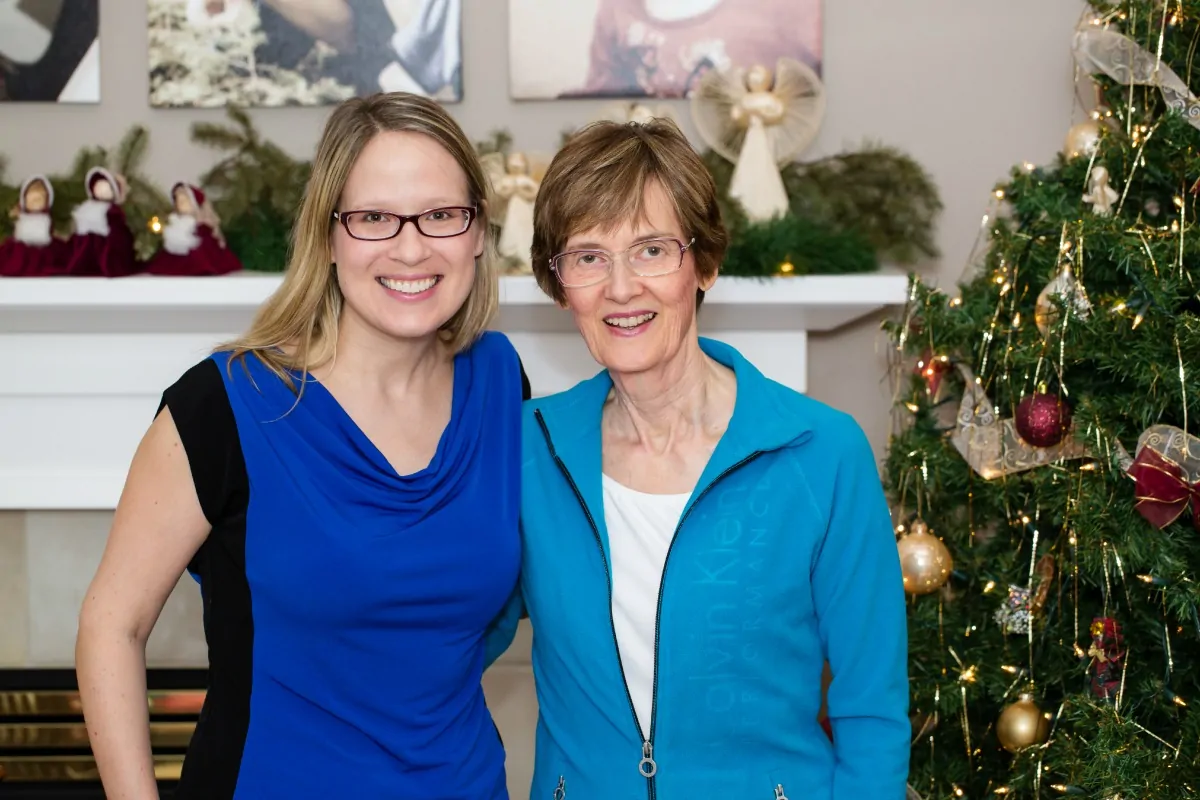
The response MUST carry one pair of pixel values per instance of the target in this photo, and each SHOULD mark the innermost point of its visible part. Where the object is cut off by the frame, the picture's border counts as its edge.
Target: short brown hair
(303, 312)
(599, 179)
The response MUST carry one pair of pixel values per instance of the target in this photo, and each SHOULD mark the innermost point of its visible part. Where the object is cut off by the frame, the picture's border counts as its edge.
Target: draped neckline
(342, 419)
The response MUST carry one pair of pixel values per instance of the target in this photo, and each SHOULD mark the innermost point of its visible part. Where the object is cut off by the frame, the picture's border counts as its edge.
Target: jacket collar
(766, 416)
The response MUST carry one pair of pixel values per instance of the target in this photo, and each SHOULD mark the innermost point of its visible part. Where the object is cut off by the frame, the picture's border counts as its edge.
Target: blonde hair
(599, 179)
(296, 328)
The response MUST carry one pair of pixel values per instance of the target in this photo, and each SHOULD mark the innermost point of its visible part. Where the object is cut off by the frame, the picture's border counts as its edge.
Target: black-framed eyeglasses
(650, 258)
(436, 223)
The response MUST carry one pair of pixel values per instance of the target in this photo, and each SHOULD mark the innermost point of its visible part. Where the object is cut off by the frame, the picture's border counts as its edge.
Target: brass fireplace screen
(43, 738)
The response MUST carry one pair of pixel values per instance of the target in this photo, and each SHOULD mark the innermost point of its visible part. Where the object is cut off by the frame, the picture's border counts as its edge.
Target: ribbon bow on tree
(1166, 474)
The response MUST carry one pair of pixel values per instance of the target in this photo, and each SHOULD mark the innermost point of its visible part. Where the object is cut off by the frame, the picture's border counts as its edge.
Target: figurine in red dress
(34, 250)
(102, 243)
(192, 240)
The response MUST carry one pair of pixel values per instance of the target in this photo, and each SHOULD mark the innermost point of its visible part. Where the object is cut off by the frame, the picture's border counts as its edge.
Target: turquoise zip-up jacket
(785, 557)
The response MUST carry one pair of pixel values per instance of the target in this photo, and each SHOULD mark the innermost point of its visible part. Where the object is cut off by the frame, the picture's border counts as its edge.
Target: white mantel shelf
(83, 361)
(815, 303)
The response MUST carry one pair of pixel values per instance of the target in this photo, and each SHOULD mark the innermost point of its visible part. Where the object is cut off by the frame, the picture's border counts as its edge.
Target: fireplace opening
(44, 750)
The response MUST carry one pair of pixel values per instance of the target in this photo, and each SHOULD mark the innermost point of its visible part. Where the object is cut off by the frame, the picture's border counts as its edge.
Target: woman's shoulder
(200, 382)
(493, 344)
(495, 348)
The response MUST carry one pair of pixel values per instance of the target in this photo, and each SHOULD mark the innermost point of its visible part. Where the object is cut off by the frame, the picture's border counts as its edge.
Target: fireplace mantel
(84, 360)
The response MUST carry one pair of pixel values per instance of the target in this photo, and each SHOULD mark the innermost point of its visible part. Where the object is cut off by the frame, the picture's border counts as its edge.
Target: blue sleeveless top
(370, 592)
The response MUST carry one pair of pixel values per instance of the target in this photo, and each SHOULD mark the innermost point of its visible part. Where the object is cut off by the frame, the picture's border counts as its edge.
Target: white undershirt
(640, 527)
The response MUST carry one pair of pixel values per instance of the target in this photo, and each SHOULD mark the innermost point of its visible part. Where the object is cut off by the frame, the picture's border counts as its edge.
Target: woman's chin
(627, 358)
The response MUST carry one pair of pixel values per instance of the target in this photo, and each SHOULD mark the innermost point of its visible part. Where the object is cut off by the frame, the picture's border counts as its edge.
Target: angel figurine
(102, 243)
(759, 121)
(638, 113)
(33, 250)
(515, 184)
(1100, 193)
(192, 239)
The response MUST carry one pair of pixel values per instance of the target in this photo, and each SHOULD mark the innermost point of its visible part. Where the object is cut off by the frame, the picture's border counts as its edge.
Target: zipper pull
(647, 766)
(561, 792)
(779, 795)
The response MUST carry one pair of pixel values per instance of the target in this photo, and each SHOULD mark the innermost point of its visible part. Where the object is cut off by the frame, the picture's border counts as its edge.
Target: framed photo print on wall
(50, 51)
(650, 48)
(206, 53)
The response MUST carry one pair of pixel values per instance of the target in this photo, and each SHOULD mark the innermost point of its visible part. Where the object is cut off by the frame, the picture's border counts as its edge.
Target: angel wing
(712, 103)
(803, 96)
(797, 88)
(496, 171)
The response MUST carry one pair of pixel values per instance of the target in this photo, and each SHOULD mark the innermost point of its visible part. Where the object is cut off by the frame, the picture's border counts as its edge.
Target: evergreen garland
(848, 212)
(255, 189)
(795, 246)
(9, 198)
(142, 199)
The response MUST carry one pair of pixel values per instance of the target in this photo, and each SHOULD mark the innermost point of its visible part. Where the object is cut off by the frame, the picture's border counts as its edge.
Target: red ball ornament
(1043, 419)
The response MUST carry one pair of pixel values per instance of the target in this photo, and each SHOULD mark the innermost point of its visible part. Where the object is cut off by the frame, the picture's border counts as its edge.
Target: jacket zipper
(647, 766)
(779, 795)
(647, 748)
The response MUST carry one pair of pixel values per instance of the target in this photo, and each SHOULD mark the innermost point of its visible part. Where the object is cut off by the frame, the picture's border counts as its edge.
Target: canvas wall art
(206, 53)
(650, 48)
(50, 51)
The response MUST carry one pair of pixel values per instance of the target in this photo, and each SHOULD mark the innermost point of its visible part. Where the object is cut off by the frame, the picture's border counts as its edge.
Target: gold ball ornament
(1022, 724)
(924, 561)
(1082, 139)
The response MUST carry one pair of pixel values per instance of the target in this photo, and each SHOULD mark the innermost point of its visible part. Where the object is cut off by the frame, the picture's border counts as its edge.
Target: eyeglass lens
(647, 259)
(374, 225)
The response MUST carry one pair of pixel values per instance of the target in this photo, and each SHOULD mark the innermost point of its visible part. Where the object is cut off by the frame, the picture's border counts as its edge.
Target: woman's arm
(503, 629)
(157, 528)
(859, 595)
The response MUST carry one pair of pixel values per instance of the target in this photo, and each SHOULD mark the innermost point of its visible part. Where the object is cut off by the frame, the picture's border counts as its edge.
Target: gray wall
(941, 79)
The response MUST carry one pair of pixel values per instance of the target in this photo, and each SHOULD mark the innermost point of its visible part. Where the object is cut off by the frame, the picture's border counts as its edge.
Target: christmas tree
(1044, 469)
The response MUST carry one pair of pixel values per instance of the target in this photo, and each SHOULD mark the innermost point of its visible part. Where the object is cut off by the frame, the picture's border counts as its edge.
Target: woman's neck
(689, 396)
(368, 359)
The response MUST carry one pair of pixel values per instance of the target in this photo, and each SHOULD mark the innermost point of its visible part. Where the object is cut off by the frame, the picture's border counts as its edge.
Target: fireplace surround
(85, 361)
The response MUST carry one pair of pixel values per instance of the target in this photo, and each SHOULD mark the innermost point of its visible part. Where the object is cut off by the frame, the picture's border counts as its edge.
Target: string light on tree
(933, 368)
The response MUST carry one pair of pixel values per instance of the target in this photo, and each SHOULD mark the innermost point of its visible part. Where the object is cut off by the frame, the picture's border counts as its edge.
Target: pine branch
(132, 151)
(217, 137)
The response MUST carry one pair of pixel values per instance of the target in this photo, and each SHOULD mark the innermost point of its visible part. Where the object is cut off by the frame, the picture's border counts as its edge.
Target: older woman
(698, 540)
(342, 481)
